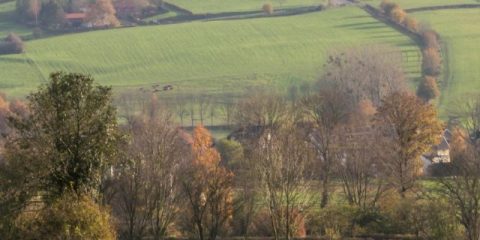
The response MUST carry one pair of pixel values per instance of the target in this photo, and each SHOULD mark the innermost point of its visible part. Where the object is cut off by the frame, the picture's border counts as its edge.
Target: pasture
(215, 57)
(460, 32)
(216, 6)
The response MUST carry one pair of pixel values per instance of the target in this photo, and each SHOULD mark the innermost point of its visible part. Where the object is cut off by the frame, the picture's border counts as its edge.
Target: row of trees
(431, 58)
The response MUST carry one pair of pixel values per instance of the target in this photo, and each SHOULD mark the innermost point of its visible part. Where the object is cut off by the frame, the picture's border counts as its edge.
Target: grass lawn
(203, 57)
(422, 3)
(7, 21)
(460, 29)
(216, 6)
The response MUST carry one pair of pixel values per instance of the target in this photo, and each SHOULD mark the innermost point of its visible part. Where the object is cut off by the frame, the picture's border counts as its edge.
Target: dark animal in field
(167, 87)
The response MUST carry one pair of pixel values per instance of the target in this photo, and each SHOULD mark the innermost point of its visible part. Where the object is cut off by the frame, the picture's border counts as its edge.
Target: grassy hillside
(216, 6)
(203, 57)
(460, 30)
(422, 3)
(7, 22)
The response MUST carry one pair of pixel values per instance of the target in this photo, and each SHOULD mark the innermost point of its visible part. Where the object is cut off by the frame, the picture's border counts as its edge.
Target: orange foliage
(432, 62)
(411, 23)
(102, 13)
(202, 147)
(398, 15)
(267, 8)
(428, 88)
(430, 39)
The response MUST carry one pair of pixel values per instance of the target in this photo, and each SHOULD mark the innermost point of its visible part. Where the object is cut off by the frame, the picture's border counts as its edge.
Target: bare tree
(283, 160)
(462, 188)
(366, 72)
(361, 167)
(148, 196)
(204, 103)
(34, 8)
(326, 112)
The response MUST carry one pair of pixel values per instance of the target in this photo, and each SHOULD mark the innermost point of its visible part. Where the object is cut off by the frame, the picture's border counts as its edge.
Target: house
(75, 19)
(439, 154)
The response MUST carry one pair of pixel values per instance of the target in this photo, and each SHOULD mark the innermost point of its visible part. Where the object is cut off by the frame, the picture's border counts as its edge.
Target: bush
(432, 62)
(430, 39)
(268, 8)
(412, 24)
(387, 6)
(262, 225)
(333, 221)
(12, 44)
(69, 217)
(398, 15)
(428, 89)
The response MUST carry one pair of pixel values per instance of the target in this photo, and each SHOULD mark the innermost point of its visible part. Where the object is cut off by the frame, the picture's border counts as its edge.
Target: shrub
(428, 88)
(387, 6)
(12, 44)
(333, 221)
(398, 15)
(262, 225)
(69, 217)
(432, 62)
(430, 39)
(411, 23)
(268, 8)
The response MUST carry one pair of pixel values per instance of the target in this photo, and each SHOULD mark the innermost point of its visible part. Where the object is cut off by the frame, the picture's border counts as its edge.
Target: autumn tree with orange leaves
(208, 188)
(410, 127)
(102, 14)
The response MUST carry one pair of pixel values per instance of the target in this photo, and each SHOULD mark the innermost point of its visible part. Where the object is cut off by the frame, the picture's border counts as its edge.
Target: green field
(216, 6)
(460, 30)
(422, 3)
(7, 21)
(204, 57)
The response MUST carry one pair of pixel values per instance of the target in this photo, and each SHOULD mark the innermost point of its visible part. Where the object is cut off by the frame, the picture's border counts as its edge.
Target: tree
(148, 187)
(52, 15)
(208, 188)
(267, 8)
(364, 73)
(283, 166)
(412, 24)
(361, 169)
(69, 217)
(71, 133)
(327, 111)
(101, 14)
(432, 62)
(398, 15)
(462, 188)
(428, 88)
(35, 7)
(13, 45)
(410, 128)
(387, 6)
(261, 110)
(430, 39)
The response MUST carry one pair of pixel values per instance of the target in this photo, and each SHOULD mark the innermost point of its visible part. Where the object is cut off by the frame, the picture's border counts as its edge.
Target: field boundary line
(442, 7)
